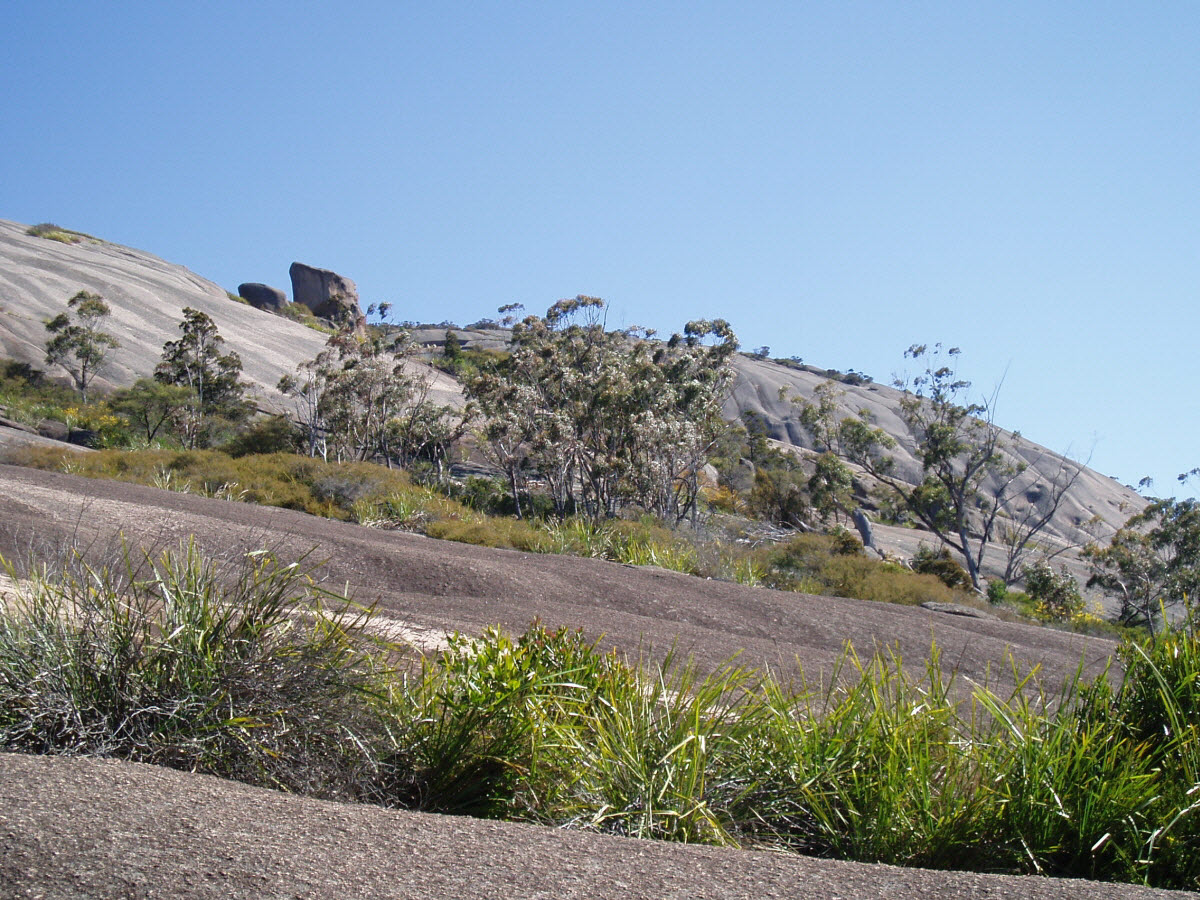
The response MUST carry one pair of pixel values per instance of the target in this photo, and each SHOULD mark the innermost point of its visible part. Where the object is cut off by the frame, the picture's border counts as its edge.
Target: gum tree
(362, 399)
(968, 488)
(1152, 564)
(605, 418)
(196, 361)
(77, 341)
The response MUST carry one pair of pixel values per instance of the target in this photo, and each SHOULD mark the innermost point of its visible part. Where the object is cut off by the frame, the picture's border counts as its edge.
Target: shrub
(997, 591)
(1055, 595)
(269, 434)
(941, 565)
(251, 671)
(833, 564)
(298, 312)
(54, 232)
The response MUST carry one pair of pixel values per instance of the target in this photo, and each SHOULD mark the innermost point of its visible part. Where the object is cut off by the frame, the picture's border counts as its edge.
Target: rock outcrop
(263, 296)
(329, 295)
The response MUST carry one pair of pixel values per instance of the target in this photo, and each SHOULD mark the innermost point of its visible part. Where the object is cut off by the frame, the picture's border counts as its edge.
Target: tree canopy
(213, 378)
(1152, 564)
(968, 486)
(361, 398)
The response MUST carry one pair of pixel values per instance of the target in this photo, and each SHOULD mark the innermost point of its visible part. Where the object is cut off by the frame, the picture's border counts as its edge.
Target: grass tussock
(52, 232)
(182, 662)
(253, 672)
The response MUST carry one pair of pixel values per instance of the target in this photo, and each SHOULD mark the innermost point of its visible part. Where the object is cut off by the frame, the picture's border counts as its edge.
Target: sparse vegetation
(1152, 565)
(298, 312)
(52, 232)
(967, 483)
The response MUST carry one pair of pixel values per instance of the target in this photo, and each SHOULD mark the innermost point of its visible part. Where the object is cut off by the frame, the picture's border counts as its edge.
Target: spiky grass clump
(181, 662)
(479, 729)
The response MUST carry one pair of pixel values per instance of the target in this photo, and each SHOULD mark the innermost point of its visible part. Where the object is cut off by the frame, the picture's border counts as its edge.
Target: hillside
(155, 832)
(148, 295)
(79, 827)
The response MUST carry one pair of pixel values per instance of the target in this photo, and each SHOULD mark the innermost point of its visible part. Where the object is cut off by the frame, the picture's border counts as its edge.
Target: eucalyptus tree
(197, 361)
(605, 418)
(1152, 564)
(77, 341)
(970, 487)
(362, 399)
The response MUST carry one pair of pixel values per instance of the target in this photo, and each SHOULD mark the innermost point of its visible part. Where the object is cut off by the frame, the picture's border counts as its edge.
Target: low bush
(53, 232)
(942, 566)
(834, 564)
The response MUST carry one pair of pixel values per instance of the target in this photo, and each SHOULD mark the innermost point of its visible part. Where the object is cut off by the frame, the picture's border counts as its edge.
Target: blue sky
(838, 179)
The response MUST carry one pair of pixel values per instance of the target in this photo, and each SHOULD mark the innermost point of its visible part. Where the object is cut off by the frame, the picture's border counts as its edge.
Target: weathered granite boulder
(329, 295)
(263, 296)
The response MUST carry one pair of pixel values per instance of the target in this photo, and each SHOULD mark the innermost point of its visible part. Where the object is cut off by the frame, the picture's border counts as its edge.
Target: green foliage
(267, 434)
(829, 564)
(28, 398)
(778, 496)
(608, 419)
(20, 375)
(966, 480)
(77, 341)
(475, 732)
(360, 399)
(939, 563)
(831, 486)
(997, 591)
(183, 662)
(255, 673)
(53, 232)
(298, 312)
(152, 408)
(1055, 594)
(452, 348)
(216, 399)
(1152, 564)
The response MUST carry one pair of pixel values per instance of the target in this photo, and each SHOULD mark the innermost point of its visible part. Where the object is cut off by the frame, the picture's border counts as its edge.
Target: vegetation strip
(183, 662)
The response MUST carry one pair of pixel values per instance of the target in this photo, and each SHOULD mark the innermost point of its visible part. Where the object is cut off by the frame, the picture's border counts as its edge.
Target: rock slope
(148, 294)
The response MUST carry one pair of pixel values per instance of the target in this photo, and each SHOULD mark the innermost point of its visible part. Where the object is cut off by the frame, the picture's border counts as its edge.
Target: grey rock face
(263, 296)
(328, 294)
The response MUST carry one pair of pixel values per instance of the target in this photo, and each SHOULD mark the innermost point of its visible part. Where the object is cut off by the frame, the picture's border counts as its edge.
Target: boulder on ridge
(263, 296)
(329, 295)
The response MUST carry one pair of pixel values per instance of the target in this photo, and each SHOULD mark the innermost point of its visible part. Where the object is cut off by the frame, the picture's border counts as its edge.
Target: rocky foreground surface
(100, 828)
(437, 586)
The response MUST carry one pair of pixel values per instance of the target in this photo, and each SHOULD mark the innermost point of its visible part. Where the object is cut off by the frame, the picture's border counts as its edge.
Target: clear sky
(838, 179)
